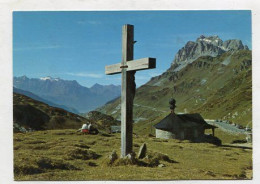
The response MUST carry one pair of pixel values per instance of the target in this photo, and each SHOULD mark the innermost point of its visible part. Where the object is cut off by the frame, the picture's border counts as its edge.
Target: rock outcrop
(204, 46)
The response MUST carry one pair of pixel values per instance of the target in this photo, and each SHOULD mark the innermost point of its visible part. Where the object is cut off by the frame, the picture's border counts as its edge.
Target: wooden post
(127, 91)
(213, 132)
(128, 67)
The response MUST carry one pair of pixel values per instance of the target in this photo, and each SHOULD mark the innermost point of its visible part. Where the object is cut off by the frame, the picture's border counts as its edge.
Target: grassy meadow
(70, 155)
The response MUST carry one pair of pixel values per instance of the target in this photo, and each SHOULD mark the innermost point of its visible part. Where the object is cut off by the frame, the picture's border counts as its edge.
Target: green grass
(225, 137)
(31, 113)
(68, 155)
(226, 92)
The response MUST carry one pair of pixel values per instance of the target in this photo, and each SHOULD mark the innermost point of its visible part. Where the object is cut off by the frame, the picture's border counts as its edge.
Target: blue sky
(77, 45)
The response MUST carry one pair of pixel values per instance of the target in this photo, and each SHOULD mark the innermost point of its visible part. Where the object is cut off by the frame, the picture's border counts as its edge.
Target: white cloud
(87, 74)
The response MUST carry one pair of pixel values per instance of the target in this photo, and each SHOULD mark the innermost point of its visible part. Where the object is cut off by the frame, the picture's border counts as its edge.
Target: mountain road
(227, 127)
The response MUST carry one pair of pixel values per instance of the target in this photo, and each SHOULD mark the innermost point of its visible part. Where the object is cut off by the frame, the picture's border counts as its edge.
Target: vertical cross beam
(127, 91)
(128, 67)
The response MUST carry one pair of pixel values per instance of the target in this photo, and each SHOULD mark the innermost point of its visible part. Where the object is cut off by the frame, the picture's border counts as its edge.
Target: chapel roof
(177, 121)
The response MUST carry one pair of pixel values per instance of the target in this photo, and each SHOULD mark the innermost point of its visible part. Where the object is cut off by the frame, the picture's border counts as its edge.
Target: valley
(207, 76)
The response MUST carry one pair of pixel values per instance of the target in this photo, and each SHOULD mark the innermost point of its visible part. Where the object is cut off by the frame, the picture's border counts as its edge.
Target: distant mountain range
(35, 97)
(66, 94)
(207, 76)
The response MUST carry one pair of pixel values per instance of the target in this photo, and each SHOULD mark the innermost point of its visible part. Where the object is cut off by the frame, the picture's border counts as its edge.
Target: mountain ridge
(68, 92)
(202, 85)
(204, 46)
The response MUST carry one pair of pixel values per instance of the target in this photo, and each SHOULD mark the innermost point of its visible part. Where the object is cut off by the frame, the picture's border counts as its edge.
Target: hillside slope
(32, 114)
(217, 87)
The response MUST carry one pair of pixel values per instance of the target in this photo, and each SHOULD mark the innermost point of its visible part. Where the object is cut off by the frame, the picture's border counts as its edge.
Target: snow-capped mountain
(68, 93)
(49, 78)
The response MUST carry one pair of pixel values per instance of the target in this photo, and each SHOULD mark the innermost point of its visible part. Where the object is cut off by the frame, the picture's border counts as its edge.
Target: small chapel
(182, 126)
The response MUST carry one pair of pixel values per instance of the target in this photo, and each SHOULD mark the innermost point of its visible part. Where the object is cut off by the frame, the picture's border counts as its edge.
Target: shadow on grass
(106, 135)
(235, 146)
(92, 164)
(47, 163)
(41, 165)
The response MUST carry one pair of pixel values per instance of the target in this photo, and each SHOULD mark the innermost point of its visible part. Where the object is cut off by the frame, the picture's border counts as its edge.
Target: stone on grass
(142, 151)
(112, 157)
(130, 156)
(161, 165)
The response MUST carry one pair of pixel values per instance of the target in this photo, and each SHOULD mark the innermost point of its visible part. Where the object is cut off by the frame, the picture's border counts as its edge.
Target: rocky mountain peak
(24, 77)
(96, 85)
(214, 40)
(234, 45)
(205, 46)
(201, 37)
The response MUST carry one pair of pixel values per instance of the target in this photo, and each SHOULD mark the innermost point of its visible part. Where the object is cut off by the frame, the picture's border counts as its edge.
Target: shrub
(84, 154)
(26, 169)
(47, 163)
(125, 161)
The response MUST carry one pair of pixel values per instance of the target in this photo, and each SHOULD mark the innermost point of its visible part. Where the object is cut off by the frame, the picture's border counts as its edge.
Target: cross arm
(113, 69)
(133, 65)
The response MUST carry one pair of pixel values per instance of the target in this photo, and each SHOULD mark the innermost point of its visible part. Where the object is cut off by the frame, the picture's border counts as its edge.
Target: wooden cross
(128, 67)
